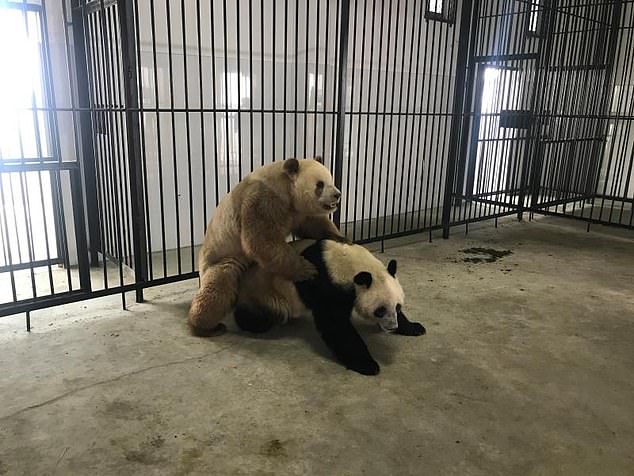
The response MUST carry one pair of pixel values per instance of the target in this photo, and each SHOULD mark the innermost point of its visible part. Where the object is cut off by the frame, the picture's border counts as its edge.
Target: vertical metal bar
(214, 97)
(445, 116)
(96, 100)
(424, 204)
(284, 157)
(391, 113)
(122, 182)
(251, 76)
(102, 101)
(367, 123)
(412, 69)
(109, 46)
(537, 131)
(341, 97)
(346, 196)
(398, 117)
(333, 129)
(159, 148)
(306, 76)
(273, 82)
(49, 93)
(145, 184)
(188, 144)
(296, 78)
(201, 101)
(135, 167)
(262, 79)
(239, 91)
(422, 154)
(357, 155)
(376, 120)
(325, 94)
(26, 203)
(464, 40)
(7, 239)
(316, 80)
(226, 75)
(434, 127)
(170, 64)
(86, 132)
(383, 113)
(602, 129)
(83, 261)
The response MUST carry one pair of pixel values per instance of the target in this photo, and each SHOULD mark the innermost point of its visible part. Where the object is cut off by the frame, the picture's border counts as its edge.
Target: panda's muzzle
(332, 206)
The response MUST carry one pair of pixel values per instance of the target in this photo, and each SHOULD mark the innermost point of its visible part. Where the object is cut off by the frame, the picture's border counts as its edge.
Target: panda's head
(313, 188)
(379, 296)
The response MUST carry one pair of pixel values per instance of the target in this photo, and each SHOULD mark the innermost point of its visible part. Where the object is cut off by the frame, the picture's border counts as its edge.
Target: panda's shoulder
(320, 254)
(344, 261)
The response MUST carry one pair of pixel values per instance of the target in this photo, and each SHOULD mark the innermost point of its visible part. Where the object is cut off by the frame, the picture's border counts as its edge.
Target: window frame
(448, 14)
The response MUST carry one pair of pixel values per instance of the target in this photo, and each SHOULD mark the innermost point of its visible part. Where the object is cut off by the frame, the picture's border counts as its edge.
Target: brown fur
(251, 225)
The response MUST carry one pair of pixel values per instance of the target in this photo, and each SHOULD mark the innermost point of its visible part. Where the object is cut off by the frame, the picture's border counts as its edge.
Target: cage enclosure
(123, 123)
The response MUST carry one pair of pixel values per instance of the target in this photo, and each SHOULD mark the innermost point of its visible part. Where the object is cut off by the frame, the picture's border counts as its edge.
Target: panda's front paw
(408, 328)
(411, 329)
(366, 367)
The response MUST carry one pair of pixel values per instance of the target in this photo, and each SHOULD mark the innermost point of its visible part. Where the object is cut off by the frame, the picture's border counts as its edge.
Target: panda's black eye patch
(320, 184)
(398, 308)
(380, 311)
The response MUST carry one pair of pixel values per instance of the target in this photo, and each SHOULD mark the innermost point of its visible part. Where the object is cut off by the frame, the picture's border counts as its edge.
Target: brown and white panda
(251, 225)
(351, 281)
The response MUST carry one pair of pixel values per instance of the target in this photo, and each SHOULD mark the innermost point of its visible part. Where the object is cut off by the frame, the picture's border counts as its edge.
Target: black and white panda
(351, 281)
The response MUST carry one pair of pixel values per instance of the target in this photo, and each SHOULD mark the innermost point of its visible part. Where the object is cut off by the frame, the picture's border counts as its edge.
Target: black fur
(408, 328)
(258, 321)
(331, 306)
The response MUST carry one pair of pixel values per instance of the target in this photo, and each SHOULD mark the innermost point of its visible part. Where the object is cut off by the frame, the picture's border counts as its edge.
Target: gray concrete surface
(527, 369)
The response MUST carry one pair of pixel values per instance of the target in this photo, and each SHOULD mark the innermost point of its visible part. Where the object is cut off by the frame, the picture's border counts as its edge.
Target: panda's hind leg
(217, 296)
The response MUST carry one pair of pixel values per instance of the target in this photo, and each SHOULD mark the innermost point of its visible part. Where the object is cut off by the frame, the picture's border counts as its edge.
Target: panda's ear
(291, 167)
(391, 267)
(363, 279)
(319, 159)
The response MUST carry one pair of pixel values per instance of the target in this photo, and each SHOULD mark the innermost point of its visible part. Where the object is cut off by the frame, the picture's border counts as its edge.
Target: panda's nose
(337, 195)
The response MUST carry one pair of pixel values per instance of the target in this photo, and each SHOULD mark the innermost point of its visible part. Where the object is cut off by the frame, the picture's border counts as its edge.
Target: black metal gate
(430, 113)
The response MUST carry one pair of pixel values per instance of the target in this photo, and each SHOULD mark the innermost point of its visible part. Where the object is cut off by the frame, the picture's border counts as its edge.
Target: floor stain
(126, 410)
(484, 255)
(189, 459)
(157, 441)
(142, 457)
(273, 448)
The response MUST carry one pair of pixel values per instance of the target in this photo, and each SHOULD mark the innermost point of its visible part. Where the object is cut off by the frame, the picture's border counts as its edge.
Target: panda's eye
(398, 308)
(320, 184)
(380, 311)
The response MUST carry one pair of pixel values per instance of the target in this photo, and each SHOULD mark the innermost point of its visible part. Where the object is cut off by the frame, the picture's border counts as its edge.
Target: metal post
(341, 98)
(467, 31)
(135, 165)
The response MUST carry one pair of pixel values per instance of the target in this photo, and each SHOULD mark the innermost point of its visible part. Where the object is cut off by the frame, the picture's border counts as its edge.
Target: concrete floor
(527, 369)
